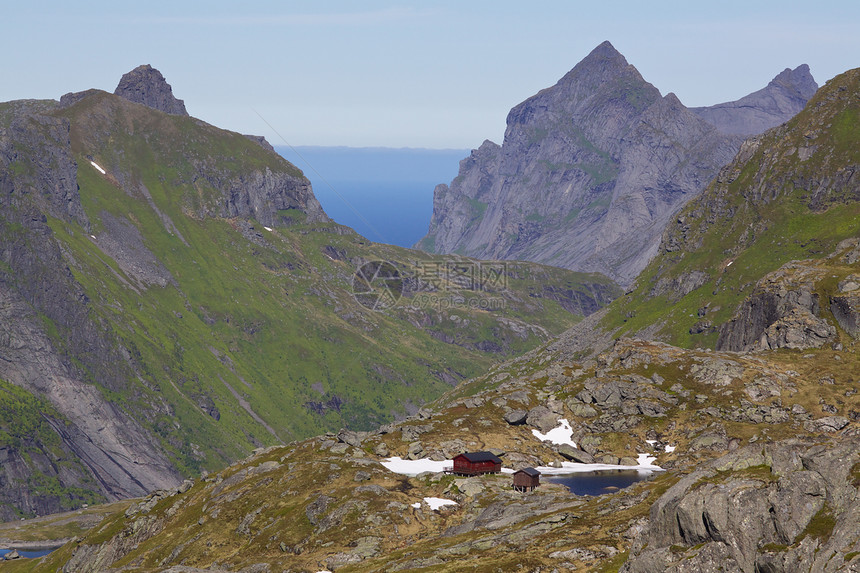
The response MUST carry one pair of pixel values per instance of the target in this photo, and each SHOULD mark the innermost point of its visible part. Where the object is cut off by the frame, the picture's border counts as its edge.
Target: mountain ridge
(178, 295)
(590, 171)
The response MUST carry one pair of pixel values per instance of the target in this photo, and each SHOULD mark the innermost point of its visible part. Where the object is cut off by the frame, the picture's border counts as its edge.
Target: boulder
(516, 417)
(542, 418)
(575, 454)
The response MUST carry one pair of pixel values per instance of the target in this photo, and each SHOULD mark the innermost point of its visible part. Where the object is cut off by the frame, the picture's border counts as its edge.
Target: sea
(385, 194)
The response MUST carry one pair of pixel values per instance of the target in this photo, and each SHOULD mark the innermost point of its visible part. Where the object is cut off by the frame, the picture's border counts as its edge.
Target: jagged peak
(799, 79)
(602, 59)
(146, 85)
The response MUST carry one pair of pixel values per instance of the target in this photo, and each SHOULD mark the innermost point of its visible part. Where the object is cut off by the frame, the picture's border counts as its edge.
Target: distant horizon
(379, 74)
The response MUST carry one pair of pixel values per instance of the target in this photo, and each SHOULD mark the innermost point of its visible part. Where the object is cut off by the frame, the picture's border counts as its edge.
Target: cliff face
(590, 172)
(773, 105)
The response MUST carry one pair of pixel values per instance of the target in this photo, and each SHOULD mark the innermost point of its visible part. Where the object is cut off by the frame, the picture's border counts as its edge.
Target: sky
(413, 73)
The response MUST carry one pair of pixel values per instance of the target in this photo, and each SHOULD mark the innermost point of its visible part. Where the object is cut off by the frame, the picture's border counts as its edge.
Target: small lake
(599, 482)
(28, 554)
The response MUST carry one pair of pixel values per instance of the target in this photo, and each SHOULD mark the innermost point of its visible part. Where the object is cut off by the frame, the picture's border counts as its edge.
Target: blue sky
(408, 74)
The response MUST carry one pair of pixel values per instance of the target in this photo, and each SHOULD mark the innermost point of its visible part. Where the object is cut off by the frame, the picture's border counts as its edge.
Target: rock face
(779, 101)
(791, 506)
(782, 312)
(145, 85)
(590, 172)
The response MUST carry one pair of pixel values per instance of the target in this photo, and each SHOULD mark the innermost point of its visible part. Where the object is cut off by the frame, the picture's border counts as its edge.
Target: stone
(581, 410)
(381, 450)
(354, 439)
(415, 452)
(542, 418)
(575, 454)
(628, 461)
(516, 417)
(826, 424)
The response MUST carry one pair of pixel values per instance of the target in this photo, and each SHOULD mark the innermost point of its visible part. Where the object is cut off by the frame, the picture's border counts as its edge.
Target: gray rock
(381, 450)
(145, 85)
(581, 410)
(416, 451)
(575, 454)
(826, 424)
(542, 418)
(846, 311)
(354, 439)
(516, 417)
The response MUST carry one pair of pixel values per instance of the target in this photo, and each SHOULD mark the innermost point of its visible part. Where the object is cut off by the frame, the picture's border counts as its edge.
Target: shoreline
(10, 544)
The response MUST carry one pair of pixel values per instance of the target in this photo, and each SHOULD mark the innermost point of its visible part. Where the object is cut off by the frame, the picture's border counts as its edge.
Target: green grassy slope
(241, 336)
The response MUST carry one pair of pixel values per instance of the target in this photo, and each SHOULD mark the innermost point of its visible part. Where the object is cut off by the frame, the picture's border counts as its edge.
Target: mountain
(763, 231)
(590, 172)
(760, 437)
(145, 85)
(172, 296)
(769, 107)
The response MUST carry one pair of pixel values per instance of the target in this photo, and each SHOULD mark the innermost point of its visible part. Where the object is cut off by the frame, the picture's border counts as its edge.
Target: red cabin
(526, 479)
(476, 463)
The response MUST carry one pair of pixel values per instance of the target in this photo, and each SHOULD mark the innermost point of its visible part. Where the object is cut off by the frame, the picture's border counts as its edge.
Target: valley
(176, 302)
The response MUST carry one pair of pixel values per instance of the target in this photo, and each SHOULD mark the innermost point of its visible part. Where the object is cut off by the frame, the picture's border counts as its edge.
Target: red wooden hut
(476, 463)
(526, 479)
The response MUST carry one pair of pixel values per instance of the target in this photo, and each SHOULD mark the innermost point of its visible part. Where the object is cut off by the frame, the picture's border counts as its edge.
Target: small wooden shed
(476, 463)
(526, 479)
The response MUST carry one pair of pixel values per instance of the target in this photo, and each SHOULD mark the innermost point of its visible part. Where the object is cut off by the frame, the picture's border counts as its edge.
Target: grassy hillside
(225, 298)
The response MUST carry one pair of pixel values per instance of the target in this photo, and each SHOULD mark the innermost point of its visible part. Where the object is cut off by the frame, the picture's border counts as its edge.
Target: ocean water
(384, 194)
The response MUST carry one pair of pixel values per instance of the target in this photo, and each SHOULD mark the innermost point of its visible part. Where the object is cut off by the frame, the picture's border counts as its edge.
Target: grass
(255, 330)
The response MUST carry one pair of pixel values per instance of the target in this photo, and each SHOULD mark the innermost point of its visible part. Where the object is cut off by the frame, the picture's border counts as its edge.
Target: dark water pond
(599, 482)
(28, 554)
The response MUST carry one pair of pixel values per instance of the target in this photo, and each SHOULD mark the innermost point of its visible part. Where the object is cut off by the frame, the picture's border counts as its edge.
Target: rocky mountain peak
(798, 80)
(145, 85)
(602, 63)
(776, 103)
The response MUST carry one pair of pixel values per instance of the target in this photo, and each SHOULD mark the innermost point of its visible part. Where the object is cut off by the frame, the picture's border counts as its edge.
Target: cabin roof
(481, 457)
(529, 471)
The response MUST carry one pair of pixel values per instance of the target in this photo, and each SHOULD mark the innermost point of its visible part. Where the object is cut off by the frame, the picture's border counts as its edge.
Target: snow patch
(415, 467)
(96, 165)
(269, 229)
(670, 449)
(558, 436)
(644, 460)
(651, 442)
(436, 502)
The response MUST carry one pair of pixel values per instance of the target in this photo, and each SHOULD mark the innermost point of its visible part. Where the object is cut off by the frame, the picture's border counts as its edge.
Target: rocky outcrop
(779, 101)
(269, 197)
(789, 506)
(782, 312)
(845, 305)
(145, 85)
(590, 172)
